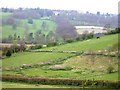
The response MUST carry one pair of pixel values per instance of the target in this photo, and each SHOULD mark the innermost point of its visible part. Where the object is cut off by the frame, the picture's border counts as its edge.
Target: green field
(17, 60)
(89, 64)
(103, 43)
(80, 67)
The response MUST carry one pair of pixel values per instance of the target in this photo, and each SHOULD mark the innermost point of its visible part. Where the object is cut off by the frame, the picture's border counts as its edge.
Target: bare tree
(64, 28)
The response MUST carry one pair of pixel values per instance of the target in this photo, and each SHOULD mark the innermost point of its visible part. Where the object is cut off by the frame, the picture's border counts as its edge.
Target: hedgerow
(53, 81)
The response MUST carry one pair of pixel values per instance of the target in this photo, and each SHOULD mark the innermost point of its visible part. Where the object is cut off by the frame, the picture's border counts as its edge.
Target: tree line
(74, 16)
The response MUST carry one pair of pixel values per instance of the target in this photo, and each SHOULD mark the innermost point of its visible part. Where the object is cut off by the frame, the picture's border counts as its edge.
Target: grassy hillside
(103, 43)
(77, 67)
(22, 24)
(32, 28)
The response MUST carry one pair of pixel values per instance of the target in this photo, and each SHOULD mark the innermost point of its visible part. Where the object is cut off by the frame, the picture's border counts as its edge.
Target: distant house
(90, 29)
(56, 13)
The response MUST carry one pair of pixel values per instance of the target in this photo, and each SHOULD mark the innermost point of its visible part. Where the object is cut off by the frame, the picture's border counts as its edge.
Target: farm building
(90, 29)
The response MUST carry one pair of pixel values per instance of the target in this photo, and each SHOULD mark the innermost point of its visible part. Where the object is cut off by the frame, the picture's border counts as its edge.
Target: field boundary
(62, 51)
(53, 81)
(113, 54)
